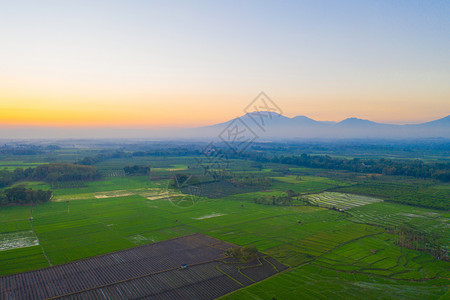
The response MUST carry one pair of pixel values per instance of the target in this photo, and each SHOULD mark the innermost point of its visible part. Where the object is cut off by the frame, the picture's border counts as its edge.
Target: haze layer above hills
(263, 124)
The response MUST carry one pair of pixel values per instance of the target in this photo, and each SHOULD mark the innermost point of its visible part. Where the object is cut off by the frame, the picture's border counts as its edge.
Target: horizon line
(7, 125)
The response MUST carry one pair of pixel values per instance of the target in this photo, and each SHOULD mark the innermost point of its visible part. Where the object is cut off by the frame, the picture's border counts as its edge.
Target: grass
(37, 185)
(109, 184)
(378, 254)
(305, 184)
(23, 259)
(14, 213)
(314, 282)
(393, 214)
(12, 165)
(425, 193)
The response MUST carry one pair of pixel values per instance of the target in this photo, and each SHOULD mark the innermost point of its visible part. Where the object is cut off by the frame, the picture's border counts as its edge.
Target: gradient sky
(191, 63)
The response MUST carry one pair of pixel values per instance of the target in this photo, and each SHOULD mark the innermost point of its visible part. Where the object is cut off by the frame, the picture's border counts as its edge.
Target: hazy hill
(273, 125)
(269, 126)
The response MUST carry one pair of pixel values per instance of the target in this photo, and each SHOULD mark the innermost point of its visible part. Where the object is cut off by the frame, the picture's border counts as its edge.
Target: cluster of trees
(51, 173)
(9, 177)
(21, 195)
(65, 172)
(244, 254)
(411, 237)
(136, 170)
(284, 200)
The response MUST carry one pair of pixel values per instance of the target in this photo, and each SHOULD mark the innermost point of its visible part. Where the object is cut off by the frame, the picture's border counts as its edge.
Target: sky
(157, 64)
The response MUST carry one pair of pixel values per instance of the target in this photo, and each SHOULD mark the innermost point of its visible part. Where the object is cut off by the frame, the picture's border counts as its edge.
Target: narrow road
(32, 229)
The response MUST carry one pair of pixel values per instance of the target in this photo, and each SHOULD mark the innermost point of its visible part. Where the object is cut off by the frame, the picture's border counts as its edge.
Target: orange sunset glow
(165, 66)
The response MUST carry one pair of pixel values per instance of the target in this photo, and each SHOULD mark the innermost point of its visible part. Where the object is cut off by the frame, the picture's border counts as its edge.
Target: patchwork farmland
(336, 244)
(151, 271)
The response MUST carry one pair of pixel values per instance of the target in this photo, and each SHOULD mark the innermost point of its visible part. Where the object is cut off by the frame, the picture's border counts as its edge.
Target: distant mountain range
(263, 125)
(273, 125)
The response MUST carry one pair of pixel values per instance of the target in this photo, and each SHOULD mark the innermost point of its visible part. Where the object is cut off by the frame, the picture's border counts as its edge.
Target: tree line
(22, 196)
(51, 173)
(415, 168)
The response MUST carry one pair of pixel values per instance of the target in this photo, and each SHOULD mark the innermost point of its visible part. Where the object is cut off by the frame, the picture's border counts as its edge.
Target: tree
(244, 254)
(22, 195)
(137, 170)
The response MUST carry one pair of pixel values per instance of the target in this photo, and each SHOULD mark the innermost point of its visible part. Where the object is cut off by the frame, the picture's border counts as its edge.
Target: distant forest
(415, 168)
(51, 173)
(405, 167)
(26, 149)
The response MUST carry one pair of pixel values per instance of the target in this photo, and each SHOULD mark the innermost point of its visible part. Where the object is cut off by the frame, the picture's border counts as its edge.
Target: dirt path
(32, 229)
